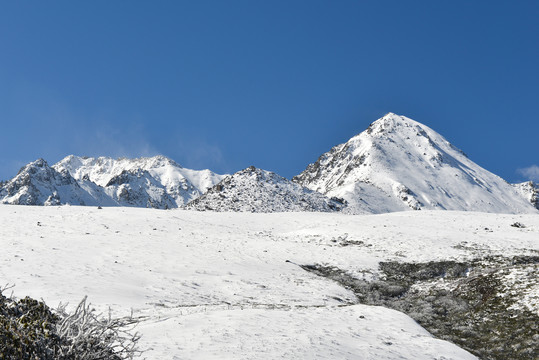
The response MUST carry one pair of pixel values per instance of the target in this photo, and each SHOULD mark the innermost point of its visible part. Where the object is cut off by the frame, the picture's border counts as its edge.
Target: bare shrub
(91, 336)
(30, 330)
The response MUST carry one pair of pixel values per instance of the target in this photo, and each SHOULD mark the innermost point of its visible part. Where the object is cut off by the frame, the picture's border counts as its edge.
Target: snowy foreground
(218, 285)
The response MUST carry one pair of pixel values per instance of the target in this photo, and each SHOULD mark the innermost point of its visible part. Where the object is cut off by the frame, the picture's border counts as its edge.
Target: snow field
(218, 285)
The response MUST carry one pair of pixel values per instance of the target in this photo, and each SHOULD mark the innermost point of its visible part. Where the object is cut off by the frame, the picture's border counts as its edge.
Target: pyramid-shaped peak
(396, 119)
(393, 123)
(390, 115)
(34, 166)
(400, 164)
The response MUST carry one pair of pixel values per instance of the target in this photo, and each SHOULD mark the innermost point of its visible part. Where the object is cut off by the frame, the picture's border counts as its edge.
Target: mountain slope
(176, 185)
(155, 182)
(256, 190)
(399, 164)
(39, 184)
(138, 188)
(217, 285)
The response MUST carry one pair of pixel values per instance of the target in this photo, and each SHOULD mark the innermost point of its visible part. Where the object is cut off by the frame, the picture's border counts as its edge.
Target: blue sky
(228, 84)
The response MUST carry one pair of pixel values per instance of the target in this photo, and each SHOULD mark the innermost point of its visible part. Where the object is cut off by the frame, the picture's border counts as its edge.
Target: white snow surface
(257, 190)
(218, 285)
(160, 174)
(399, 164)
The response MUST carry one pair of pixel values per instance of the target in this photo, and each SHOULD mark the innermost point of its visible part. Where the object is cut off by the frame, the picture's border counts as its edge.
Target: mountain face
(166, 182)
(39, 184)
(256, 190)
(155, 182)
(530, 191)
(399, 164)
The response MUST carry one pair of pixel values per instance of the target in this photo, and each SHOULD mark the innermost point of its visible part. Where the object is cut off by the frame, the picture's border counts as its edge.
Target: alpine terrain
(155, 182)
(399, 164)
(256, 190)
(396, 164)
(39, 184)
(231, 273)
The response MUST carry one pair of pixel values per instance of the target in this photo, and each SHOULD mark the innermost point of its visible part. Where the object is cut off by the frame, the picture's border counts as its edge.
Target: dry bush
(30, 330)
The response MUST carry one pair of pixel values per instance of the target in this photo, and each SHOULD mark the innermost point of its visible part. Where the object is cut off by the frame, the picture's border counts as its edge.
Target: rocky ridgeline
(155, 182)
(256, 190)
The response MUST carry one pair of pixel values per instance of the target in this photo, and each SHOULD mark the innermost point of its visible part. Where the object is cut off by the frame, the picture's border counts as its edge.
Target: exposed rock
(256, 190)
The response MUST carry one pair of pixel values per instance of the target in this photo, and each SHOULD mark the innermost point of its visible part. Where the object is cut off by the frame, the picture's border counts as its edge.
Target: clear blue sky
(228, 84)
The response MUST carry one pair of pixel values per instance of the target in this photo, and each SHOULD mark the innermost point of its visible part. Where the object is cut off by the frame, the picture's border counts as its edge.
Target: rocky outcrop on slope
(138, 188)
(530, 191)
(486, 305)
(256, 190)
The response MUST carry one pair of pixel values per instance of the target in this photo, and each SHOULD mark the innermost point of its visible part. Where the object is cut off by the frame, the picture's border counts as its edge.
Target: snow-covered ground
(228, 285)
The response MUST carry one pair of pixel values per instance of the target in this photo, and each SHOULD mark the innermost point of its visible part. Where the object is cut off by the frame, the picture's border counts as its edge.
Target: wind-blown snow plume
(531, 172)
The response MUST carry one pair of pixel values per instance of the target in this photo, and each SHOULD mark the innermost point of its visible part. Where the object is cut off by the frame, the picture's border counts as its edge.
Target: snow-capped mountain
(530, 191)
(400, 164)
(396, 164)
(155, 182)
(138, 188)
(39, 184)
(162, 179)
(256, 190)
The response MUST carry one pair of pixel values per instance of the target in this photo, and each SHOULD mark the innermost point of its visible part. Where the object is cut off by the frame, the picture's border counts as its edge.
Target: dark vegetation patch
(30, 330)
(472, 304)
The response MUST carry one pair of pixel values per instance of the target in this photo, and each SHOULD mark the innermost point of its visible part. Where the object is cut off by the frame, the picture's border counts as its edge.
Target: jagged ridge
(155, 182)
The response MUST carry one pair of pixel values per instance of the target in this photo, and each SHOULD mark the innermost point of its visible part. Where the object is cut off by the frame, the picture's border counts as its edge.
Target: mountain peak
(34, 166)
(400, 164)
(159, 161)
(391, 122)
(160, 175)
(39, 184)
(38, 163)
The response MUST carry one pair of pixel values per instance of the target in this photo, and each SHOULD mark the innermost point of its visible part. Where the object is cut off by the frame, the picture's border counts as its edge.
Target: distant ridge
(396, 164)
(155, 182)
